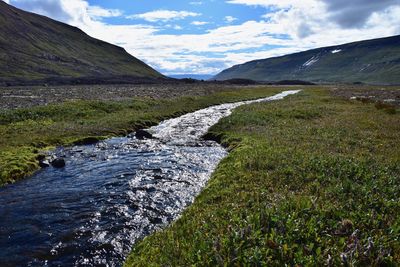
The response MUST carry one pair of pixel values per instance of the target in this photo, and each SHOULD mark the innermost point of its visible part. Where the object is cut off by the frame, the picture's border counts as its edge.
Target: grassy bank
(313, 180)
(26, 132)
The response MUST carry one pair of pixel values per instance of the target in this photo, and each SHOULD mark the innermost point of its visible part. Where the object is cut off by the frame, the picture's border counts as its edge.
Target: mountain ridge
(34, 48)
(375, 61)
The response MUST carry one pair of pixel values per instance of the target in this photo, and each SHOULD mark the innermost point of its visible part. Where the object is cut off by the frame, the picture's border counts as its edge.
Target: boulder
(91, 140)
(142, 134)
(58, 163)
(155, 220)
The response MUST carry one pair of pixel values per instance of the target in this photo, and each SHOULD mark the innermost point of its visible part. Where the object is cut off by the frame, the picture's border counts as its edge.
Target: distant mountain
(34, 48)
(192, 76)
(373, 61)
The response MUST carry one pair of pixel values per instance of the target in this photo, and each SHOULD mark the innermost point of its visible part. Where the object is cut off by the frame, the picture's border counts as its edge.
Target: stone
(58, 163)
(155, 220)
(142, 134)
(87, 141)
(44, 163)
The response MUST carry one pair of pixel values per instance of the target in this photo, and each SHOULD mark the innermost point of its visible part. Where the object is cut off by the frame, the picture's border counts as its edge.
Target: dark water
(110, 194)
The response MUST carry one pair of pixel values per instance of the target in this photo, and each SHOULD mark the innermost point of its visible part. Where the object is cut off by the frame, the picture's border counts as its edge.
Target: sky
(208, 36)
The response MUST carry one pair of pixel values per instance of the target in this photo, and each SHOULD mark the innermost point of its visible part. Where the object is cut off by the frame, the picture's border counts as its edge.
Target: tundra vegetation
(311, 180)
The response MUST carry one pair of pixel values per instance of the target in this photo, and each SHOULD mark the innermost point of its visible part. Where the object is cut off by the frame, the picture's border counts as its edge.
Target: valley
(289, 156)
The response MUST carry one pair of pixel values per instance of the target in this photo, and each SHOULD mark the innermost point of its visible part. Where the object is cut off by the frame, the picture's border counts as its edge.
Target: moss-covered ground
(312, 180)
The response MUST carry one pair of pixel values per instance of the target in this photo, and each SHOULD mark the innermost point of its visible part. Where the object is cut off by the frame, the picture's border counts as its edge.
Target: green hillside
(36, 48)
(374, 61)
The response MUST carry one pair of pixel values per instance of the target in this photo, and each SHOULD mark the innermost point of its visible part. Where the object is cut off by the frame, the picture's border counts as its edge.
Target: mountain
(36, 49)
(192, 76)
(374, 61)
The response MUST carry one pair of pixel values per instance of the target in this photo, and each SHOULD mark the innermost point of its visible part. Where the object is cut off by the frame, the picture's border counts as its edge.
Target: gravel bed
(389, 95)
(24, 97)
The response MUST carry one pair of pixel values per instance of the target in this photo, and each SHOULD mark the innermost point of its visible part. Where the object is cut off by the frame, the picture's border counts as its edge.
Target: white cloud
(99, 12)
(173, 26)
(196, 3)
(163, 15)
(229, 19)
(177, 27)
(187, 52)
(7, 1)
(273, 3)
(199, 23)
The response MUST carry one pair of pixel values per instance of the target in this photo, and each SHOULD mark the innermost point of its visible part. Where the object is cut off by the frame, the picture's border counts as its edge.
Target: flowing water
(110, 194)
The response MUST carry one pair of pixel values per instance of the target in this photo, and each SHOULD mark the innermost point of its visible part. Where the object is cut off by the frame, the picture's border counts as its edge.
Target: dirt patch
(23, 97)
(387, 95)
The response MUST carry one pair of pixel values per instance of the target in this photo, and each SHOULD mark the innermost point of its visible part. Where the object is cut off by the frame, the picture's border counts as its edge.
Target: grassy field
(312, 180)
(25, 133)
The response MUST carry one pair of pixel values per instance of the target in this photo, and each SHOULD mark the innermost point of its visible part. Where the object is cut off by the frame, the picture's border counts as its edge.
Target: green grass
(312, 180)
(25, 133)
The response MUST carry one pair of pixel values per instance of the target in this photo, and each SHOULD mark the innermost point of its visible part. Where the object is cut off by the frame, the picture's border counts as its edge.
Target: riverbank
(27, 133)
(313, 179)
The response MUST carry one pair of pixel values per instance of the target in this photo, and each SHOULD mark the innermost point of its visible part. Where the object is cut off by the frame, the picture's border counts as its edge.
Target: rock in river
(142, 134)
(44, 163)
(58, 163)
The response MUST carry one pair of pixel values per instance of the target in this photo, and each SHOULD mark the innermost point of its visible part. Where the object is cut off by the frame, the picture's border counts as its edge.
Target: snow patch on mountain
(336, 51)
(311, 61)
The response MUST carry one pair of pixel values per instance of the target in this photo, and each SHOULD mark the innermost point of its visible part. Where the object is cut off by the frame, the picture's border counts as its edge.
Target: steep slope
(36, 48)
(374, 61)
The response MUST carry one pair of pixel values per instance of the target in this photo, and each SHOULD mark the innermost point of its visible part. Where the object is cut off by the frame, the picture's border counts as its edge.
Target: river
(111, 194)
